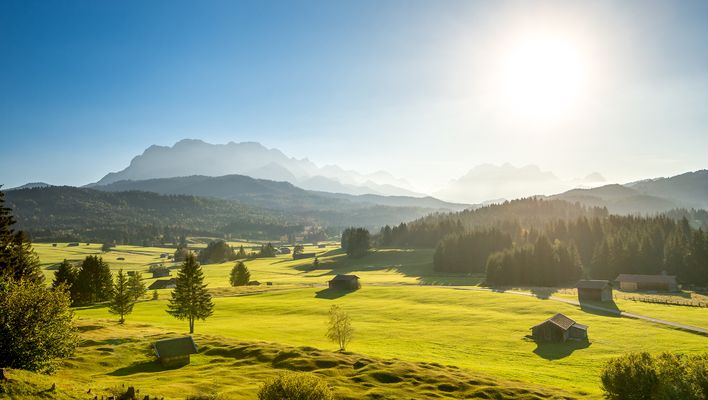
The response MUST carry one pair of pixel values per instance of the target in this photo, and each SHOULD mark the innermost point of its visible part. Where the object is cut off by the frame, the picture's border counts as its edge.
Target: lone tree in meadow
(340, 329)
(239, 275)
(190, 299)
(122, 301)
(136, 286)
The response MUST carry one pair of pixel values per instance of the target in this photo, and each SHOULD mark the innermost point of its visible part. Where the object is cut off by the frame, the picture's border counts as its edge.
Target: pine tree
(17, 258)
(94, 282)
(240, 275)
(190, 299)
(122, 300)
(66, 276)
(136, 286)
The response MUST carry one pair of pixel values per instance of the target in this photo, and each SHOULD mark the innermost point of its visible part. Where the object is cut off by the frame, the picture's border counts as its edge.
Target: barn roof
(559, 320)
(175, 347)
(592, 284)
(162, 283)
(341, 277)
(646, 278)
(580, 326)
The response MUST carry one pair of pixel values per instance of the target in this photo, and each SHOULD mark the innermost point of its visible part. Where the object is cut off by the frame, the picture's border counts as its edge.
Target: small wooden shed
(345, 282)
(175, 352)
(594, 290)
(559, 329)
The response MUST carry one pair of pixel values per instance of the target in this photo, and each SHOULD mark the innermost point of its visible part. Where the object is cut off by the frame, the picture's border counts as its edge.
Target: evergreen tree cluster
(217, 252)
(356, 242)
(17, 258)
(468, 252)
(89, 283)
(540, 264)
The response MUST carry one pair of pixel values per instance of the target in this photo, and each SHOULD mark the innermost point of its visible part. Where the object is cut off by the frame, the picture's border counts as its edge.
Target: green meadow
(404, 315)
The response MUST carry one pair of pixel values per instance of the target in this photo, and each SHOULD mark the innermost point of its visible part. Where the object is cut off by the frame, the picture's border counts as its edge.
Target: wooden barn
(163, 284)
(299, 256)
(345, 282)
(559, 329)
(172, 353)
(663, 283)
(594, 290)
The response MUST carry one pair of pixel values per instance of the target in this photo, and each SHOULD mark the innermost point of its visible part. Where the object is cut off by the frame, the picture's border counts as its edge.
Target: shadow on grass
(331, 294)
(557, 351)
(139, 368)
(603, 308)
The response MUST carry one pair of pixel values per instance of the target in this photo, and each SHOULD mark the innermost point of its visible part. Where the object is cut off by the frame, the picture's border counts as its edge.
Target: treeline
(141, 218)
(514, 217)
(584, 242)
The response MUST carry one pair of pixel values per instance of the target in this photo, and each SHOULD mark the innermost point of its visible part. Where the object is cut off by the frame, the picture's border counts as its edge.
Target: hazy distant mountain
(195, 157)
(272, 194)
(487, 181)
(689, 190)
(31, 185)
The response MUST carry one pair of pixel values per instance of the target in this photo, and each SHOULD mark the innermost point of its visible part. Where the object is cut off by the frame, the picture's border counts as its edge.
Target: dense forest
(551, 242)
(86, 215)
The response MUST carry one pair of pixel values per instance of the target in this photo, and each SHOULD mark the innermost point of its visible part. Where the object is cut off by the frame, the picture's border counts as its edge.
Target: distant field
(395, 317)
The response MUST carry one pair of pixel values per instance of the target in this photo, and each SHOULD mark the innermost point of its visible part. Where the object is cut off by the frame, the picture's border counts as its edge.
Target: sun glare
(543, 77)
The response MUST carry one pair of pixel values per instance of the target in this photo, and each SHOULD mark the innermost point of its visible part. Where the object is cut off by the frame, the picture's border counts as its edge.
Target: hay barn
(663, 283)
(172, 353)
(559, 329)
(345, 282)
(594, 290)
(163, 284)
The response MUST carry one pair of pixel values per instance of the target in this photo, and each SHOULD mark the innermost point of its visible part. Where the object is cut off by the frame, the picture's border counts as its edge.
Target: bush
(295, 386)
(639, 376)
(35, 325)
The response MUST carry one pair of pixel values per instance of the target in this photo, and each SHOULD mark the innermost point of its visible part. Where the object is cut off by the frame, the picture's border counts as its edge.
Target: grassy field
(398, 314)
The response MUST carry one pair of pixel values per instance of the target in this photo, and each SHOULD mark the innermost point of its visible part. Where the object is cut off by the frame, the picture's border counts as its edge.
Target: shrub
(35, 325)
(295, 386)
(639, 376)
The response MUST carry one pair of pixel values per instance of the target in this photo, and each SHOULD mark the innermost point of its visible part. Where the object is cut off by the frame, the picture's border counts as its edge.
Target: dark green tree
(66, 275)
(240, 275)
(267, 250)
(94, 282)
(241, 254)
(356, 241)
(122, 300)
(190, 299)
(136, 285)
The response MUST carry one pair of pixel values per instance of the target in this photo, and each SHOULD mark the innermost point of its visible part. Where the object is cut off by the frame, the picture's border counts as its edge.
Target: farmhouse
(665, 283)
(595, 290)
(559, 328)
(175, 352)
(345, 282)
(298, 256)
(163, 284)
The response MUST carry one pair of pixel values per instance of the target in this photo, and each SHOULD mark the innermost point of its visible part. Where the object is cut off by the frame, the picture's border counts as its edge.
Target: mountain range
(195, 157)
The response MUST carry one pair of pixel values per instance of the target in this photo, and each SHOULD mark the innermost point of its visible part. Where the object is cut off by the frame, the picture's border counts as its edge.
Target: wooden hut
(345, 282)
(175, 352)
(631, 282)
(160, 272)
(559, 329)
(594, 290)
(163, 284)
(299, 256)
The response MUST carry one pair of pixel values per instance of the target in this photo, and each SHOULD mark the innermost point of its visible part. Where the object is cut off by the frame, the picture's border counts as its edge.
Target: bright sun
(543, 77)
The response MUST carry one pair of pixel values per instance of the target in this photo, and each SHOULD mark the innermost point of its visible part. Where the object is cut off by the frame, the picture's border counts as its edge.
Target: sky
(423, 89)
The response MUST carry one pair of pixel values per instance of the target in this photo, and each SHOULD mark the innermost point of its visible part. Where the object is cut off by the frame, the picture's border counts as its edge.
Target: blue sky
(368, 85)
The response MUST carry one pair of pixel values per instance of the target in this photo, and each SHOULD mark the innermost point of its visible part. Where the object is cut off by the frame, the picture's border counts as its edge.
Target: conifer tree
(66, 275)
(136, 285)
(17, 258)
(94, 281)
(122, 300)
(190, 299)
(240, 275)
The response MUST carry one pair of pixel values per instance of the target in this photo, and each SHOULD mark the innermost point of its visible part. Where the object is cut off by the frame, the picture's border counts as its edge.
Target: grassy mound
(114, 357)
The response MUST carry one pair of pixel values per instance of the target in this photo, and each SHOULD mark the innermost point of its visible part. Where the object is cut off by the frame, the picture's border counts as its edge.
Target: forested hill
(272, 194)
(516, 216)
(61, 213)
